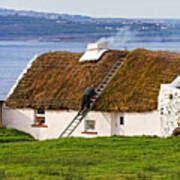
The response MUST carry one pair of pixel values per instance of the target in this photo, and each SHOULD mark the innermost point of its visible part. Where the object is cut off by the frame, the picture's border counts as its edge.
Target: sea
(15, 55)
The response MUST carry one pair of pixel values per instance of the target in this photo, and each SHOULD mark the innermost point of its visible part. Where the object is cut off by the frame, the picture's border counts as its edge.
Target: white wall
(107, 124)
(56, 121)
(137, 124)
(21, 119)
(169, 108)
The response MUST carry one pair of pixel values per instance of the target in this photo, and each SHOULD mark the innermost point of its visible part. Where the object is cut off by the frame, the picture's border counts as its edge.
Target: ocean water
(14, 55)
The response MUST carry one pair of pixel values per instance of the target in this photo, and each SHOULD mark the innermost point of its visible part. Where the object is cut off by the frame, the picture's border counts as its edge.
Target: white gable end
(169, 106)
(176, 82)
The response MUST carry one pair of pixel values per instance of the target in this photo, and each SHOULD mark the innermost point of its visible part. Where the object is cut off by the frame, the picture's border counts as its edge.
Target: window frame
(121, 121)
(39, 118)
(171, 96)
(40, 113)
(89, 129)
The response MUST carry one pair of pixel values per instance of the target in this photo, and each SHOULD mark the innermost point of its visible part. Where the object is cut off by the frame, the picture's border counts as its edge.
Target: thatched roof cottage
(48, 94)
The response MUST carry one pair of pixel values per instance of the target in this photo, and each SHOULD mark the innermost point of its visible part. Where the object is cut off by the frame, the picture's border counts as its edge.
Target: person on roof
(88, 95)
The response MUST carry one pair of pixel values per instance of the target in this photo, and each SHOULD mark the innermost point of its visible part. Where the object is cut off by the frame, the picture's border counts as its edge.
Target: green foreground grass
(12, 135)
(100, 158)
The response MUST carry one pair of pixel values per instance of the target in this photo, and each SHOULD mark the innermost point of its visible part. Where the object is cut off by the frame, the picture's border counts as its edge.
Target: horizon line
(94, 17)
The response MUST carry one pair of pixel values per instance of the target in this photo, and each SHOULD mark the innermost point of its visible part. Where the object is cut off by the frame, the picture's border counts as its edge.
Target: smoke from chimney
(120, 40)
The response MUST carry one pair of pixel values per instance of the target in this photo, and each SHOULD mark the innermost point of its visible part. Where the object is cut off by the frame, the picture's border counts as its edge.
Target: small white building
(45, 98)
(169, 106)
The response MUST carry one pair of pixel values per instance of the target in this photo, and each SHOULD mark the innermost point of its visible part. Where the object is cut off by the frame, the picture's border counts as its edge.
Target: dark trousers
(86, 101)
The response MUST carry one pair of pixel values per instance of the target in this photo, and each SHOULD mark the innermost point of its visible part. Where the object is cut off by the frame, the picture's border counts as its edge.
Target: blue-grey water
(14, 55)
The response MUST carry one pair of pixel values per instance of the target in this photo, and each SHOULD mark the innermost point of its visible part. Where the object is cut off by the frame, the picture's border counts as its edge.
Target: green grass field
(100, 158)
(12, 135)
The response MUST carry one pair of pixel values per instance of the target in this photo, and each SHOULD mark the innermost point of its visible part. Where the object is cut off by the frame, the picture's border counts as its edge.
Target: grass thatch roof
(58, 80)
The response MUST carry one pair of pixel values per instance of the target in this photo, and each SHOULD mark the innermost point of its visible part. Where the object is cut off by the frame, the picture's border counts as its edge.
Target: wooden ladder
(99, 90)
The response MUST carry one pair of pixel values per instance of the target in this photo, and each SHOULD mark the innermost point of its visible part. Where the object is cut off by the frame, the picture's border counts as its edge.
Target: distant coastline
(30, 25)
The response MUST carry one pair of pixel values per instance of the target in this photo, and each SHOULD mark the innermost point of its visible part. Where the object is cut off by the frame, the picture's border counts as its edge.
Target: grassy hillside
(12, 135)
(101, 158)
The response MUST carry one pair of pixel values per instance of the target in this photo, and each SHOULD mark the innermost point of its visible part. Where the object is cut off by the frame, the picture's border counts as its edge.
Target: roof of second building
(57, 81)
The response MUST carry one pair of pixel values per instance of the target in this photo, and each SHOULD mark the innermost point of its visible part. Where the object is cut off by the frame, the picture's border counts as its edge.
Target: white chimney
(94, 51)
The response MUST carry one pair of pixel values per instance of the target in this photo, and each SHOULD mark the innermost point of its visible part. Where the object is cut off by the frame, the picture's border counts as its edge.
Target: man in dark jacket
(88, 94)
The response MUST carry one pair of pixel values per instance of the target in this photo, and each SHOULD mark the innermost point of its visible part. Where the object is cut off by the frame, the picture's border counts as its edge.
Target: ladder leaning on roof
(99, 90)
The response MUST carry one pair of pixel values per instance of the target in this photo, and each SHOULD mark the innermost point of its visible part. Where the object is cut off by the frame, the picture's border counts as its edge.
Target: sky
(101, 8)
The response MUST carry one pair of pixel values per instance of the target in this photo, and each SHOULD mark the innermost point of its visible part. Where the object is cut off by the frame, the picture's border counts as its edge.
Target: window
(39, 118)
(89, 125)
(40, 111)
(162, 111)
(171, 96)
(121, 120)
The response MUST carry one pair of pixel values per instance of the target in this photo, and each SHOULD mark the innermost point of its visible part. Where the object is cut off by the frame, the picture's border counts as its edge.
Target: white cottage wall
(20, 119)
(56, 121)
(138, 124)
(106, 124)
